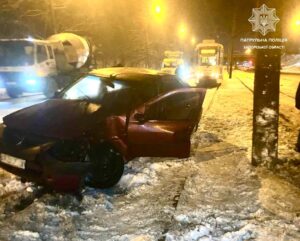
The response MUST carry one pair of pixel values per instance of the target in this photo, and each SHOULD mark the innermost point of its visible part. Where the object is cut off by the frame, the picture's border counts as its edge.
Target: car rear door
(169, 121)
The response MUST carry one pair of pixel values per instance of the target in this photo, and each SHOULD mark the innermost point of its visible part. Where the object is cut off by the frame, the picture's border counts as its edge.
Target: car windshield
(16, 53)
(88, 87)
(208, 61)
(115, 96)
(170, 65)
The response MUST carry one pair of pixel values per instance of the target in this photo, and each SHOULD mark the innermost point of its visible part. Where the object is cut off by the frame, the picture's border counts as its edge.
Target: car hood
(55, 118)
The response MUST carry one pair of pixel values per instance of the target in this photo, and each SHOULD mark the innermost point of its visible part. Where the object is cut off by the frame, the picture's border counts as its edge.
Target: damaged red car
(86, 134)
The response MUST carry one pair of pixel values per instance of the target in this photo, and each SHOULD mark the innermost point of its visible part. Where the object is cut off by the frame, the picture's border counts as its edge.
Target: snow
(199, 233)
(266, 116)
(214, 195)
(20, 235)
(12, 185)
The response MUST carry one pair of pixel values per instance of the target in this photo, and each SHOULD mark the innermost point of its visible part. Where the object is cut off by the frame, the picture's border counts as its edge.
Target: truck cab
(25, 65)
(33, 65)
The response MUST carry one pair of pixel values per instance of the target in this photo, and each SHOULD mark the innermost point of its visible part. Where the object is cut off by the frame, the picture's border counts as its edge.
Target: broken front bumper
(39, 166)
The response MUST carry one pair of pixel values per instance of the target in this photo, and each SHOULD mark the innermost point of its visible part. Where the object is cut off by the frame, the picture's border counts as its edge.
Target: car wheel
(107, 166)
(50, 88)
(13, 92)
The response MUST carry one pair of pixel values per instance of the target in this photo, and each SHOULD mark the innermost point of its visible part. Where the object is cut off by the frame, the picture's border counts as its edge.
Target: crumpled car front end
(41, 160)
(49, 154)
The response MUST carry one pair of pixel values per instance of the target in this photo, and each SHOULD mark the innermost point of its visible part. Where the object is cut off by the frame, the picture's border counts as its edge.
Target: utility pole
(147, 45)
(232, 36)
(266, 101)
(52, 17)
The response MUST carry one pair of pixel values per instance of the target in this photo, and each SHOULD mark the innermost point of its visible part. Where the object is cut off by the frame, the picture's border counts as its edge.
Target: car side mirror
(140, 117)
(56, 94)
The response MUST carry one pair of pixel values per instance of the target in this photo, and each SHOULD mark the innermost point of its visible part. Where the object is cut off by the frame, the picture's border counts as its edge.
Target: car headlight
(40, 73)
(183, 72)
(31, 81)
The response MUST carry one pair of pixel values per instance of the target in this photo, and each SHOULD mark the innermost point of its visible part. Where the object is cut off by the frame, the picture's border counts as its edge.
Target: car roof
(130, 74)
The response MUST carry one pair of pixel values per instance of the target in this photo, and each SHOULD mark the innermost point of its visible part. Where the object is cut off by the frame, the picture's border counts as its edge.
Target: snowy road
(8, 105)
(213, 195)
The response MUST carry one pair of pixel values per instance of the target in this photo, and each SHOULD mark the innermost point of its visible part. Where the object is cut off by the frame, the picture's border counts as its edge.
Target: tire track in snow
(251, 90)
(175, 200)
(13, 202)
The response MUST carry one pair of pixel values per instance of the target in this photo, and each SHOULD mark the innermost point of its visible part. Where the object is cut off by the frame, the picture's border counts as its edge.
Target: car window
(117, 101)
(112, 94)
(41, 53)
(50, 52)
(179, 106)
(169, 83)
(88, 87)
(16, 53)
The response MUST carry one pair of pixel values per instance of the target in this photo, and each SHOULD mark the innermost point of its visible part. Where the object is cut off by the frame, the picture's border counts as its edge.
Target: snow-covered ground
(213, 195)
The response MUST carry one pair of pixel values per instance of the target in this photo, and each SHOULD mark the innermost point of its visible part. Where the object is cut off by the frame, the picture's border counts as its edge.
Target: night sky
(120, 28)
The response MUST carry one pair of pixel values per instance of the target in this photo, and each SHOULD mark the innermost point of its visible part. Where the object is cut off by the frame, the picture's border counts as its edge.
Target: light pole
(52, 17)
(193, 41)
(182, 31)
(154, 14)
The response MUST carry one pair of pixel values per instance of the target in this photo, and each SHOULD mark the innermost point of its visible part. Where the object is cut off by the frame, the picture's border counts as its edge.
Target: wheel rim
(105, 168)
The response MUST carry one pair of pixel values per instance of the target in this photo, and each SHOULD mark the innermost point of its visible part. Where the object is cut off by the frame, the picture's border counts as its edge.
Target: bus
(209, 62)
(171, 61)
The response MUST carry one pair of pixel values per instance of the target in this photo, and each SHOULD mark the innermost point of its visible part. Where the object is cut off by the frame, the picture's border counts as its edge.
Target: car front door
(163, 126)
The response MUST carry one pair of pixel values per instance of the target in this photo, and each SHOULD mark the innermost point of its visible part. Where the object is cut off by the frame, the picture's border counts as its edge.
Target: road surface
(8, 105)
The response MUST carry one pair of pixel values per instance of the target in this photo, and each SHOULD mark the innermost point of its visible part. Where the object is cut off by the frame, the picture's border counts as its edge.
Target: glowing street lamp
(248, 51)
(157, 9)
(193, 41)
(182, 31)
(295, 24)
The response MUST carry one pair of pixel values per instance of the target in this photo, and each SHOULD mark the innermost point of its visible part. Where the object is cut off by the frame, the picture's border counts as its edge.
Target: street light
(182, 31)
(295, 24)
(193, 41)
(154, 17)
(248, 51)
(158, 9)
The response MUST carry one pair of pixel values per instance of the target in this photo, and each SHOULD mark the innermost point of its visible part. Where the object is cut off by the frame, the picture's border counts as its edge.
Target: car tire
(13, 92)
(107, 166)
(50, 88)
